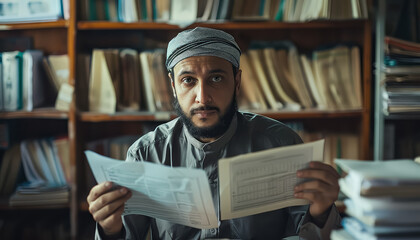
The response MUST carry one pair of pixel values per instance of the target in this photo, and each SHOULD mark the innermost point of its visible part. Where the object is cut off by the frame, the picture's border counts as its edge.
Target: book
(147, 78)
(61, 149)
(256, 59)
(30, 11)
(102, 97)
(57, 67)
(356, 71)
(131, 80)
(36, 90)
(246, 10)
(12, 80)
(271, 65)
(250, 94)
(284, 74)
(313, 84)
(399, 177)
(299, 83)
(10, 166)
(162, 9)
(64, 98)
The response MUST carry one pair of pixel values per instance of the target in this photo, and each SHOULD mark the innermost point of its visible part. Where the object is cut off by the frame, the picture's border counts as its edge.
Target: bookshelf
(75, 37)
(395, 135)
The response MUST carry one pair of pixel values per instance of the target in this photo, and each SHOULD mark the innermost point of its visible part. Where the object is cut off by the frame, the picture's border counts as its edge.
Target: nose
(203, 94)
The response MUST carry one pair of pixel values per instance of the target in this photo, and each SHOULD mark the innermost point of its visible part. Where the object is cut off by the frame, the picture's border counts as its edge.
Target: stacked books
(402, 77)
(383, 200)
(46, 166)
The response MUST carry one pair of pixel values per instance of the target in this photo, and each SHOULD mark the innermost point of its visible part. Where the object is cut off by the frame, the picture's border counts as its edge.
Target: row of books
(383, 200)
(126, 80)
(401, 93)
(40, 169)
(277, 77)
(30, 80)
(33, 10)
(221, 10)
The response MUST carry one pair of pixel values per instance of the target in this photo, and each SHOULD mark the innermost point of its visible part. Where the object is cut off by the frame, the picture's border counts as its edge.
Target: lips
(204, 113)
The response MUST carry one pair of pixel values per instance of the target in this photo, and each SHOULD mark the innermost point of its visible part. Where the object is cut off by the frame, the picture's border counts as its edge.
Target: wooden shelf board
(122, 116)
(35, 25)
(104, 25)
(405, 116)
(4, 205)
(49, 113)
(166, 116)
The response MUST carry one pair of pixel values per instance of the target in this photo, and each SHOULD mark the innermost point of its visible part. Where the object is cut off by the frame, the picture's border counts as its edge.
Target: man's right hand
(107, 205)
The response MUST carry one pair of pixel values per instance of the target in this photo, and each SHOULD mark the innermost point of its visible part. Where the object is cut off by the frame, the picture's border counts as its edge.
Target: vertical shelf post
(378, 135)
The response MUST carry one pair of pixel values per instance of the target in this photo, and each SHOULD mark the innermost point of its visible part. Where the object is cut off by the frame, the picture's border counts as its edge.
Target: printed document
(178, 195)
(264, 181)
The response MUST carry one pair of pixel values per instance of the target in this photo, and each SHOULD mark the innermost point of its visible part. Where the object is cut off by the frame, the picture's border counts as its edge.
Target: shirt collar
(218, 143)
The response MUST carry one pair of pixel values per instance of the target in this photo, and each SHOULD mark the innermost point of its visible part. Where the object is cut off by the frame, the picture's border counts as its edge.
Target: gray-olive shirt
(171, 144)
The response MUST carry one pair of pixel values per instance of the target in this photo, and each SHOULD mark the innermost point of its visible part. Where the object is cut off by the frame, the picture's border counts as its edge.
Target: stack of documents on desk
(383, 199)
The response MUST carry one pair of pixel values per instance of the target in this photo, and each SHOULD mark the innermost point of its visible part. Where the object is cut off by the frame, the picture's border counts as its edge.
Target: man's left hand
(322, 189)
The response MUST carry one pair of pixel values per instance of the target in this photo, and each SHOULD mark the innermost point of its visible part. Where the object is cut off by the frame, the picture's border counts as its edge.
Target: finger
(107, 198)
(319, 175)
(310, 196)
(110, 209)
(317, 186)
(323, 166)
(112, 219)
(98, 190)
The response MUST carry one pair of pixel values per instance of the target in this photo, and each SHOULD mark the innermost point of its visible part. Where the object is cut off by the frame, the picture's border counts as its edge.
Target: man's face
(205, 88)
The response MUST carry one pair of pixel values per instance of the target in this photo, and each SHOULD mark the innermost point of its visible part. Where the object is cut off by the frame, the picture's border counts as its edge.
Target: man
(203, 66)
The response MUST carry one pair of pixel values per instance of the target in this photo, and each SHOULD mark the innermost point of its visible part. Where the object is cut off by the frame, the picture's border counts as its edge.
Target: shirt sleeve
(99, 234)
(309, 230)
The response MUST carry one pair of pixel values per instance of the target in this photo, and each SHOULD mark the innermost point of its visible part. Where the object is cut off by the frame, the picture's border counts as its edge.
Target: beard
(214, 131)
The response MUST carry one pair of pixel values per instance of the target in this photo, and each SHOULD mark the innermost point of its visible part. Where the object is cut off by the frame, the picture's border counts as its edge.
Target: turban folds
(202, 42)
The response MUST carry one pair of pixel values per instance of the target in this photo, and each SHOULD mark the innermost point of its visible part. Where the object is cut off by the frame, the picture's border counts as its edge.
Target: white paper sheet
(264, 181)
(178, 195)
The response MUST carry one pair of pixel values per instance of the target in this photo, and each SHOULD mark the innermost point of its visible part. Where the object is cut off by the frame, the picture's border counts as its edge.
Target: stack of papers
(383, 199)
(249, 184)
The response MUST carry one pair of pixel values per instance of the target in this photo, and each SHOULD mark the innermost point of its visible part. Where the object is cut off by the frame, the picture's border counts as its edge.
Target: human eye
(216, 79)
(187, 80)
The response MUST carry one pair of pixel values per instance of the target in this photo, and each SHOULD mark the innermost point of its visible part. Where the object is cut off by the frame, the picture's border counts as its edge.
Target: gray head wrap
(202, 42)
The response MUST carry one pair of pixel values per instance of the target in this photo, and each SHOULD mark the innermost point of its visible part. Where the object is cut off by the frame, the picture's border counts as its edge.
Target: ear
(172, 85)
(238, 81)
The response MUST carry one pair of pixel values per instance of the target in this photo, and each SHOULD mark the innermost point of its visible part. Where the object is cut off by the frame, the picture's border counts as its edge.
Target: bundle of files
(383, 199)
(401, 93)
(276, 76)
(46, 166)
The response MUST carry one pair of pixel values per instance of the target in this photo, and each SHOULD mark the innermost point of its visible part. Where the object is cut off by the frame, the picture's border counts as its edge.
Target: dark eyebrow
(211, 72)
(185, 72)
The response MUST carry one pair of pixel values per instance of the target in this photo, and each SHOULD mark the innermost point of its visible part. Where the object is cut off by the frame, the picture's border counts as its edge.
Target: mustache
(204, 108)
